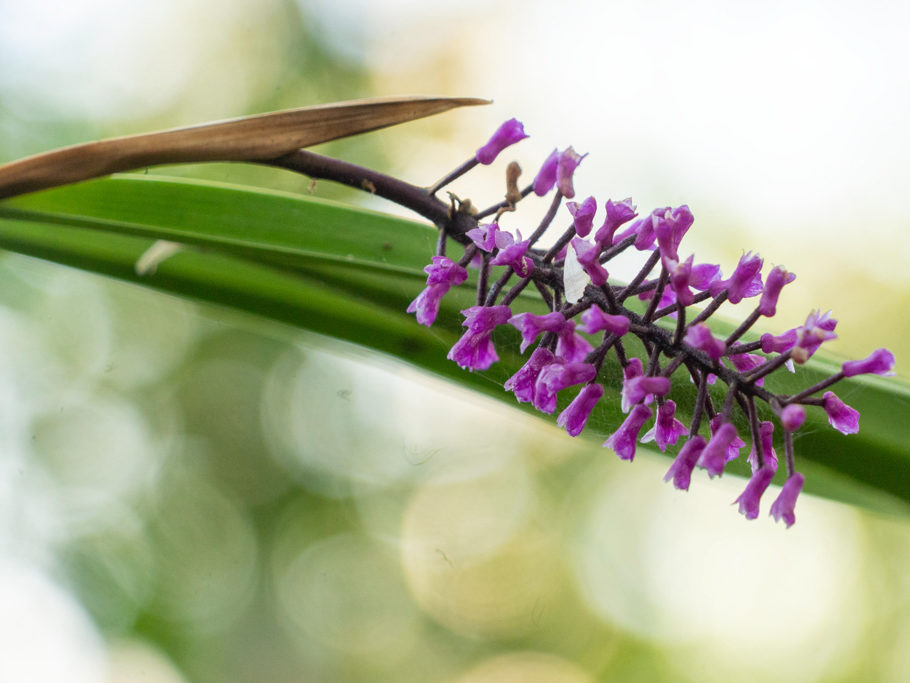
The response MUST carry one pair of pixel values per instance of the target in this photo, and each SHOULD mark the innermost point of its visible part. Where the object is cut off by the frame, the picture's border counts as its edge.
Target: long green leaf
(350, 273)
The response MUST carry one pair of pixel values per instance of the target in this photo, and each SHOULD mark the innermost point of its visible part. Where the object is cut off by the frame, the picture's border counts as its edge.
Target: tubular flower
(750, 498)
(442, 275)
(734, 446)
(554, 378)
(681, 469)
(635, 389)
(475, 351)
(623, 439)
(782, 508)
(841, 416)
(714, 456)
(522, 382)
(582, 215)
(594, 320)
(777, 278)
(766, 429)
(574, 417)
(669, 228)
(507, 134)
(792, 417)
(531, 326)
(818, 328)
(700, 337)
(667, 429)
(577, 295)
(744, 282)
(881, 362)
(546, 176)
(588, 258)
(617, 214)
(514, 255)
(571, 346)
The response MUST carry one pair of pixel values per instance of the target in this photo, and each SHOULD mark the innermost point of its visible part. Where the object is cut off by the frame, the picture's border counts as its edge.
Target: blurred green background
(191, 494)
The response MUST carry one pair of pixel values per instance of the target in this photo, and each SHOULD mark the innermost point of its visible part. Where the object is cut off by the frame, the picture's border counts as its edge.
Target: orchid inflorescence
(563, 358)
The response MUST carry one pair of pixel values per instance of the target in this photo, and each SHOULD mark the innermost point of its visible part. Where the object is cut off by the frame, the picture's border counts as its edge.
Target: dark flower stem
(824, 384)
(454, 175)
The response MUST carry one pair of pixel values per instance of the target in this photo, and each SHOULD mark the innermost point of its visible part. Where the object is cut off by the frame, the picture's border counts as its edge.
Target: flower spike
(652, 346)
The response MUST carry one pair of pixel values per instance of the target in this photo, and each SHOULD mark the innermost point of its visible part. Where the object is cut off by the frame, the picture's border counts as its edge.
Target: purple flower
(583, 215)
(747, 362)
(531, 325)
(777, 278)
(514, 255)
(484, 236)
(556, 377)
(841, 416)
(622, 441)
(546, 176)
(714, 456)
(442, 274)
(699, 336)
(594, 320)
(617, 214)
(571, 346)
(565, 168)
(680, 276)
(779, 344)
(818, 328)
(669, 226)
(475, 350)
(766, 432)
(681, 469)
(522, 382)
(588, 257)
(745, 281)
(792, 417)
(635, 389)
(667, 429)
(704, 275)
(750, 498)
(782, 508)
(574, 417)
(881, 362)
(735, 445)
(507, 134)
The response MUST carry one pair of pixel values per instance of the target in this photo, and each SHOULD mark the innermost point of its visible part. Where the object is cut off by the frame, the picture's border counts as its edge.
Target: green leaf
(350, 273)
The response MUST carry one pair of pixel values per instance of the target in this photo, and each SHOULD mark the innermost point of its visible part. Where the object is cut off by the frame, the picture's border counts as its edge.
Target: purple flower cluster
(675, 341)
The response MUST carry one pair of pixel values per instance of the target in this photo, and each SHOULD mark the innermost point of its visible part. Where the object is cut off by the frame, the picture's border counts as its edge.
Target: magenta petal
(881, 362)
(699, 336)
(782, 508)
(667, 429)
(507, 134)
(556, 377)
(594, 320)
(777, 278)
(574, 417)
(714, 456)
(681, 469)
(522, 382)
(583, 215)
(750, 498)
(531, 325)
(792, 417)
(546, 176)
(766, 431)
(622, 441)
(841, 416)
